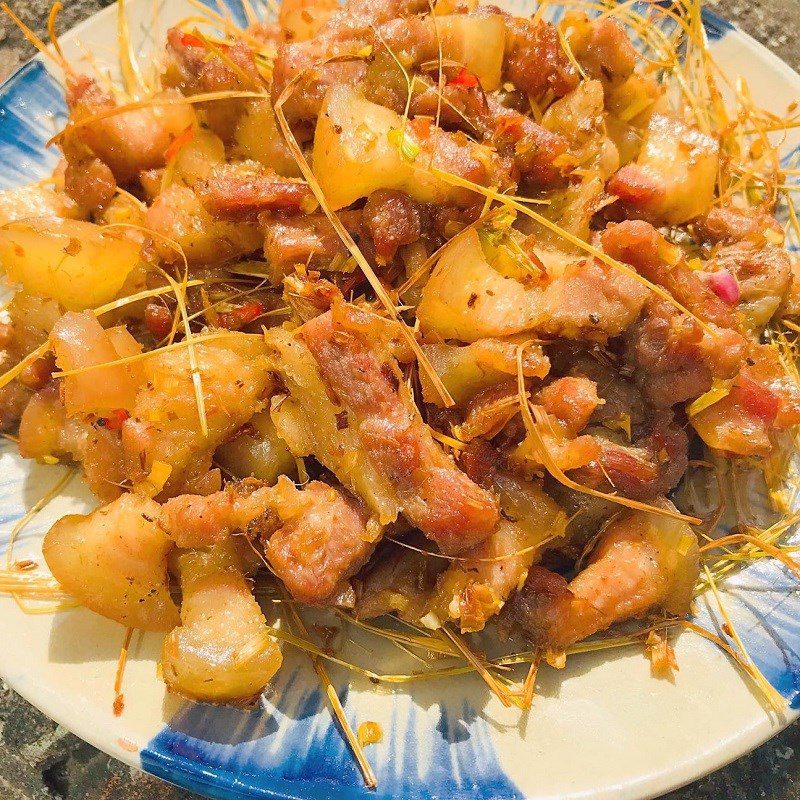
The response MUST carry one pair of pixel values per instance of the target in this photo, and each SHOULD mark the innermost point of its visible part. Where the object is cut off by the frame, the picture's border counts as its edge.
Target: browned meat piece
(641, 563)
(392, 219)
(307, 240)
(535, 60)
(88, 180)
(45, 430)
(315, 538)
(434, 494)
(639, 244)
(475, 588)
(604, 50)
(571, 400)
(763, 274)
(729, 224)
(243, 191)
(323, 540)
(675, 359)
(762, 399)
(193, 69)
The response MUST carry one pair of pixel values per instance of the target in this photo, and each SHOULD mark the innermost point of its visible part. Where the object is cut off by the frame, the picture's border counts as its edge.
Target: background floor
(40, 760)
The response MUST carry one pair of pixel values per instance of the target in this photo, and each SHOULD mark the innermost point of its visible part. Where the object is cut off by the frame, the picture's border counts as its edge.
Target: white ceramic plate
(602, 728)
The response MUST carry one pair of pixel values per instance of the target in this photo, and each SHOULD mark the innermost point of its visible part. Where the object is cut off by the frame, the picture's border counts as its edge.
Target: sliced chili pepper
(190, 40)
(241, 316)
(757, 399)
(178, 143)
(464, 78)
(115, 419)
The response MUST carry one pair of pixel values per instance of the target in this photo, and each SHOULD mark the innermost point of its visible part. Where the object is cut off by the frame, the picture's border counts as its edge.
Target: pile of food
(400, 309)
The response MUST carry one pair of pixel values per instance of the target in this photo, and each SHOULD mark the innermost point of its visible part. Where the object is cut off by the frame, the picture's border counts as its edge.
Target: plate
(600, 728)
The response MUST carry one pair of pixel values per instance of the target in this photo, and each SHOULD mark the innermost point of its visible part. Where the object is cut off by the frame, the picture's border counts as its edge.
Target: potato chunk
(222, 651)
(77, 263)
(114, 561)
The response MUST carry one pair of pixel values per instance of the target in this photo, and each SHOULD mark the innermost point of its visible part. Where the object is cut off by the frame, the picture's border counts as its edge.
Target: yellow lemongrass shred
(52, 17)
(333, 698)
(480, 666)
(129, 66)
(41, 503)
(770, 693)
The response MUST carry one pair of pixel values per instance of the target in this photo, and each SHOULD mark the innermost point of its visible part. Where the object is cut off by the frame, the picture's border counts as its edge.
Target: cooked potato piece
(114, 561)
(222, 651)
(477, 42)
(77, 263)
(257, 452)
(78, 341)
(35, 201)
(258, 137)
(354, 154)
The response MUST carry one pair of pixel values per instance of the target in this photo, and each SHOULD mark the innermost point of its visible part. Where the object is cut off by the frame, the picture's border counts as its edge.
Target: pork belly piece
(164, 424)
(474, 589)
(243, 190)
(114, 561)
(222, 651)
(315, 538)
(673, 179)
(642, 562)
(433, 494)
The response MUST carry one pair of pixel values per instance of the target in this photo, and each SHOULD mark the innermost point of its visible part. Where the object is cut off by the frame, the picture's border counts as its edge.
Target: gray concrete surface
(40, 760)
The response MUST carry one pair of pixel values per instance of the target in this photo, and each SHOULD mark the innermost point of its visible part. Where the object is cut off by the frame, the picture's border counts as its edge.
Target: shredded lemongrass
(427, 642)
(41, 503)
(52, 17)
(772, 696)
(479, 666)
(119, 698)
(333, 698)
(129, 66)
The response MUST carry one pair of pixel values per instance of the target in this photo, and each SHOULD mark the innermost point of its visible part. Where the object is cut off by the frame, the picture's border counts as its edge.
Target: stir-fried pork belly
(580, 294)
(222, 651)
(430, 490)
(315, 538)
(641, 563)
(475, 588)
